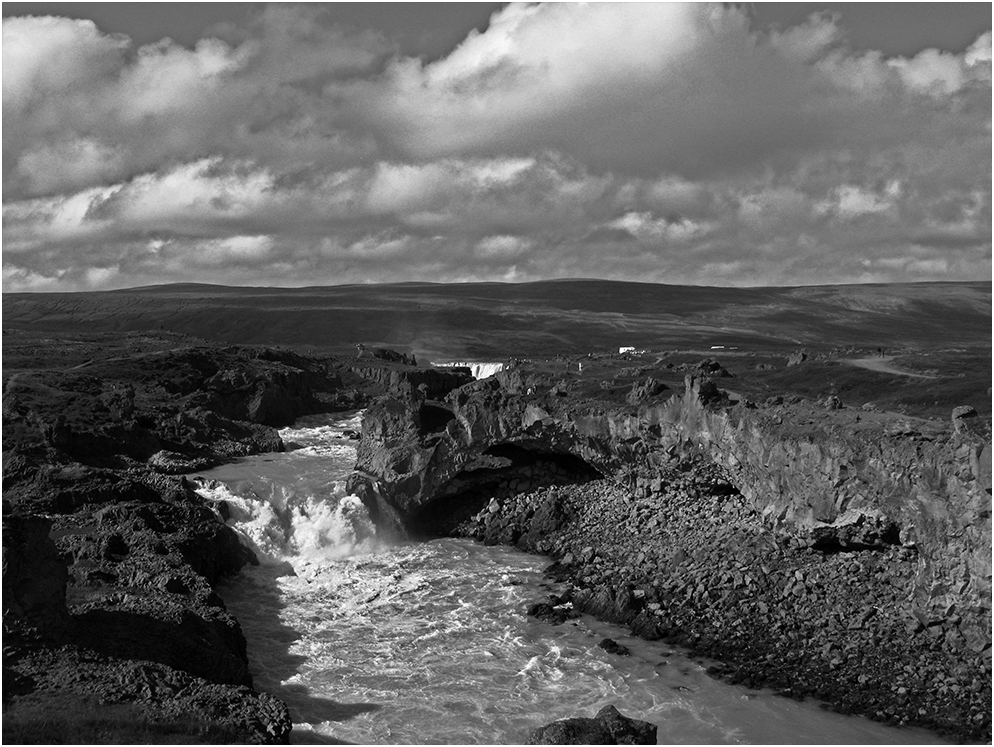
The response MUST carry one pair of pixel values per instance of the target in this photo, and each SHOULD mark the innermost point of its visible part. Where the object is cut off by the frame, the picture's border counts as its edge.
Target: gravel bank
(680, 556)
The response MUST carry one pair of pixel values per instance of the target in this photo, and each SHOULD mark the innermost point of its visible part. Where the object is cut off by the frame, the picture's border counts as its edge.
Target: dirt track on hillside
(883, 366)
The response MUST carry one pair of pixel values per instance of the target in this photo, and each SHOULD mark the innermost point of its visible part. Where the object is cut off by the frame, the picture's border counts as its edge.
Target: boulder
(832, 403)
(613, 647)
(173, 463)
(963, 417)
(607, 727)
(797, 358)
(711, 367)
(547, 613)
(643, 390)
(704, 389)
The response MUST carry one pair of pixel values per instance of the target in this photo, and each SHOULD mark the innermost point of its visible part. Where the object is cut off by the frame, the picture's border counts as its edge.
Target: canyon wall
(110, 558)
(818, 549)
(829, 478)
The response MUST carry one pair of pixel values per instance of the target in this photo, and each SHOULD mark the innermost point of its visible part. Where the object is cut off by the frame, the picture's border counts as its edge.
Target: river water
(377, 642)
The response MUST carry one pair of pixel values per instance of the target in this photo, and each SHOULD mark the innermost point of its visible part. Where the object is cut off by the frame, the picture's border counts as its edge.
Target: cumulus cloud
(103, 110)
(638, 141)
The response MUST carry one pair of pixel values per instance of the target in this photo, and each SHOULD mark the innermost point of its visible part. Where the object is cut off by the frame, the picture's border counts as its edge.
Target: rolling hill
(488, 320)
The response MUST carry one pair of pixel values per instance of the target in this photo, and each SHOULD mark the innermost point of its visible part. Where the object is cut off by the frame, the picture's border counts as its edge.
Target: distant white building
(626, 349)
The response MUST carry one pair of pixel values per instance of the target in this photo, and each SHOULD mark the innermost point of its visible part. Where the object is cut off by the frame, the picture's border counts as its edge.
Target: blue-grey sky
(279, 144)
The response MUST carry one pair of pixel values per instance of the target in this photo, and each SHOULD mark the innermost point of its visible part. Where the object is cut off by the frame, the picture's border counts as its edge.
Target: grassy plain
(941, 330)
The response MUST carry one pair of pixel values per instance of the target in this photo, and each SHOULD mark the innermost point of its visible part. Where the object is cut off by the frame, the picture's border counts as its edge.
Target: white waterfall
(479, 369)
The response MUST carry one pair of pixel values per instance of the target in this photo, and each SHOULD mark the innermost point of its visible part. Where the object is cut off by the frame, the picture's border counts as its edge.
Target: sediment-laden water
(375, 642)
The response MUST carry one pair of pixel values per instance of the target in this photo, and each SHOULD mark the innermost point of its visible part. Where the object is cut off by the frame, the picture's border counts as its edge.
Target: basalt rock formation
(109, 555)
(823, 552)
(607, 727)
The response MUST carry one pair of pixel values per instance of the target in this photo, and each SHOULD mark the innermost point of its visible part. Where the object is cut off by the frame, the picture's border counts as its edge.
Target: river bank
(690, 564)
(815, 549)
(113, 630)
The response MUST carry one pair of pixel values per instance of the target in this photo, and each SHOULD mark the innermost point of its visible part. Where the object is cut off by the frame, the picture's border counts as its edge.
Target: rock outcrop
(609, 726)
(110, 558)
(34, 582)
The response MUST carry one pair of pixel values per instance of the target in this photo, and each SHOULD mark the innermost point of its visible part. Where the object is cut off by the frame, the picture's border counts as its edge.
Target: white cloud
(502, 247)
(48, 56)
(808, 41)
(643, 141)
(849, 200)
(980, 51)
(649, 228)
(932, 71)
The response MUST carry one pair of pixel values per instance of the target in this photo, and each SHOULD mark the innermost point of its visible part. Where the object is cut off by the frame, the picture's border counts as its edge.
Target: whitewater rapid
(374, 642)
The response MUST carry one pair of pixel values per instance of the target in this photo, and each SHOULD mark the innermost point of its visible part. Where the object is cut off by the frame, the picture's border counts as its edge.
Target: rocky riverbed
(811, 548)
(691, 563)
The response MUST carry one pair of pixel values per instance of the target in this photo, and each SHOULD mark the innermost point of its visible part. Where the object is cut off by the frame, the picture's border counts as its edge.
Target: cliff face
(832, 479)
(34, 581)
(836, 484)
(897, 506)
(109, 559)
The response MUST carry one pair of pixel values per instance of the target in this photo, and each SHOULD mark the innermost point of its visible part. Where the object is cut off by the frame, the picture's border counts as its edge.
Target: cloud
(502, 247)
(644, 89)
(850, 201)
(647, 227)
(45, 57)
(637, 141)
(105, 111)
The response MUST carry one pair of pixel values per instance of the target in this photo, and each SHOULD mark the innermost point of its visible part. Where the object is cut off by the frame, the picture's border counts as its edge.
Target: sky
(319, 144)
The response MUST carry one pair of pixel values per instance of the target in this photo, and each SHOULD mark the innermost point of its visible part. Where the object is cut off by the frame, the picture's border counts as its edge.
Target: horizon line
(194, 283)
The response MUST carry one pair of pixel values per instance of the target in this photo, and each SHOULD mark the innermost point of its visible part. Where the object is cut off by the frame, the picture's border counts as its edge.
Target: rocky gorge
(112, 628)
(821, 550)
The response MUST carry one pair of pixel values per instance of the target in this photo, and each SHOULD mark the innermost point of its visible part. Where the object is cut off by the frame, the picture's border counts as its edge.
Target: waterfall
(281, 525)
(479, 369)
(292, 507)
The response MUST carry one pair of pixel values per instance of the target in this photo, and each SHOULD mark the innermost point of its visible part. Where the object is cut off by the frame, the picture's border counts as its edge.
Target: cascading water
(480, 370)
(371, 642)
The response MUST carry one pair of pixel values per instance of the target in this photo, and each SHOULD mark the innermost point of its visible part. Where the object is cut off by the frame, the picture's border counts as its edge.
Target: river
(377, 642)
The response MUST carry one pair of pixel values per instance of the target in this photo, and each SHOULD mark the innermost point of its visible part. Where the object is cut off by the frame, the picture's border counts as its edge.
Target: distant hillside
(494, 320)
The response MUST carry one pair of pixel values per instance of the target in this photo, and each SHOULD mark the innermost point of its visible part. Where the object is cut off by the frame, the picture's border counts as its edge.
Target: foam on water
(428, 642)
(293, 507)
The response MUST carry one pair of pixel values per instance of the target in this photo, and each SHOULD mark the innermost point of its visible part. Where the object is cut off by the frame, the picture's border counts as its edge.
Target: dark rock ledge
(110, 557)
(847, 564)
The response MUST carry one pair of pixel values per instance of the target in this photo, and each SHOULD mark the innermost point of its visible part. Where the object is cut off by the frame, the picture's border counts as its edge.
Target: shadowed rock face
(910, 483)
(34, 581)
(197, 404)
(111, 596)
